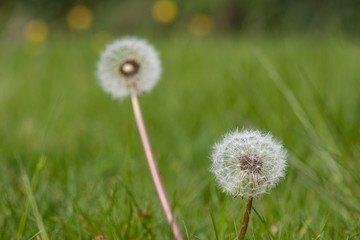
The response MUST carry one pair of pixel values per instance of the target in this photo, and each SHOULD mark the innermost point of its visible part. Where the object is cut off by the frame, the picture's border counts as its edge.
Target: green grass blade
(40, 165)
(214, 226)
(38, 217)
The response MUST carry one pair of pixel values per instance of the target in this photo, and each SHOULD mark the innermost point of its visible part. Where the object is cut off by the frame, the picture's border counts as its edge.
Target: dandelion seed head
(128, 63)
(248, 163)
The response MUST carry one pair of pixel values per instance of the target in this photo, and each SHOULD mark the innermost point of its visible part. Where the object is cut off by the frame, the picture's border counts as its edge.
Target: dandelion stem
(245, 222)
(153, 168)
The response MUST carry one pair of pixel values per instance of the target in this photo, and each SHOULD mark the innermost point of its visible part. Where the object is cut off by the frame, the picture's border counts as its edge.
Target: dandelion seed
(126, 64)
(248, 164)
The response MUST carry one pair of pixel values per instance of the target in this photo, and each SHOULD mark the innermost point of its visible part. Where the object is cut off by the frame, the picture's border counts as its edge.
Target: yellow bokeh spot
(201, 25)
(79, 18)
(99, 40)
(164, 11)
(36, 31)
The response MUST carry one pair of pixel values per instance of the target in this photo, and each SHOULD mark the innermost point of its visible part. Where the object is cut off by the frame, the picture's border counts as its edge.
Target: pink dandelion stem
(153, 168)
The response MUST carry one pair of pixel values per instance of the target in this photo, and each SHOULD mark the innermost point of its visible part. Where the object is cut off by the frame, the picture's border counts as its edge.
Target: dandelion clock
(248, 164)
(130, 67)
(128, 64)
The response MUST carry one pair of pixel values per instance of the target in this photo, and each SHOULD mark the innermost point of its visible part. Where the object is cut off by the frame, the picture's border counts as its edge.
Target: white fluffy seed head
(248, 163)
(128, 62)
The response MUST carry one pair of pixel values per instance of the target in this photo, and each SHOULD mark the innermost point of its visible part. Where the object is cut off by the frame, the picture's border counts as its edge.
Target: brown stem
(153, 168)
(245, 222)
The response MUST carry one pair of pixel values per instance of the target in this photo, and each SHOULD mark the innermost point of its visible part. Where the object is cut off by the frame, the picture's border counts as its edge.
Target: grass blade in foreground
(34, 206)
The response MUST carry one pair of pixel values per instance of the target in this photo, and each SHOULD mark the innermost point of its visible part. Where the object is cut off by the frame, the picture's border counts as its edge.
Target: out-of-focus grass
(95, 180)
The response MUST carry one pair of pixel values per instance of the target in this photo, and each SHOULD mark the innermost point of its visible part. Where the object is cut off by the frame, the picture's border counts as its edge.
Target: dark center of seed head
(251, 163)
(129, 68)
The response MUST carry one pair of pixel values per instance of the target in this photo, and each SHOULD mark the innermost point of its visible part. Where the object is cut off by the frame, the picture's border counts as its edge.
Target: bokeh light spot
(36, 31)
(201, 24)
(164, 11)
(79, 18)
(99, 40)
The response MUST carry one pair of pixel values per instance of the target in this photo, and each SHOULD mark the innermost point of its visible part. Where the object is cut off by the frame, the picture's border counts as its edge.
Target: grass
(87, 170)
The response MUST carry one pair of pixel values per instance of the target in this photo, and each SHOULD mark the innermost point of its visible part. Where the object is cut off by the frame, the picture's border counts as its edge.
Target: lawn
(73, 165)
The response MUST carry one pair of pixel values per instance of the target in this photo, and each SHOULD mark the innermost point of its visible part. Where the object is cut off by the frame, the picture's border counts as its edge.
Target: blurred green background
(72, 162)
(231, 17)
